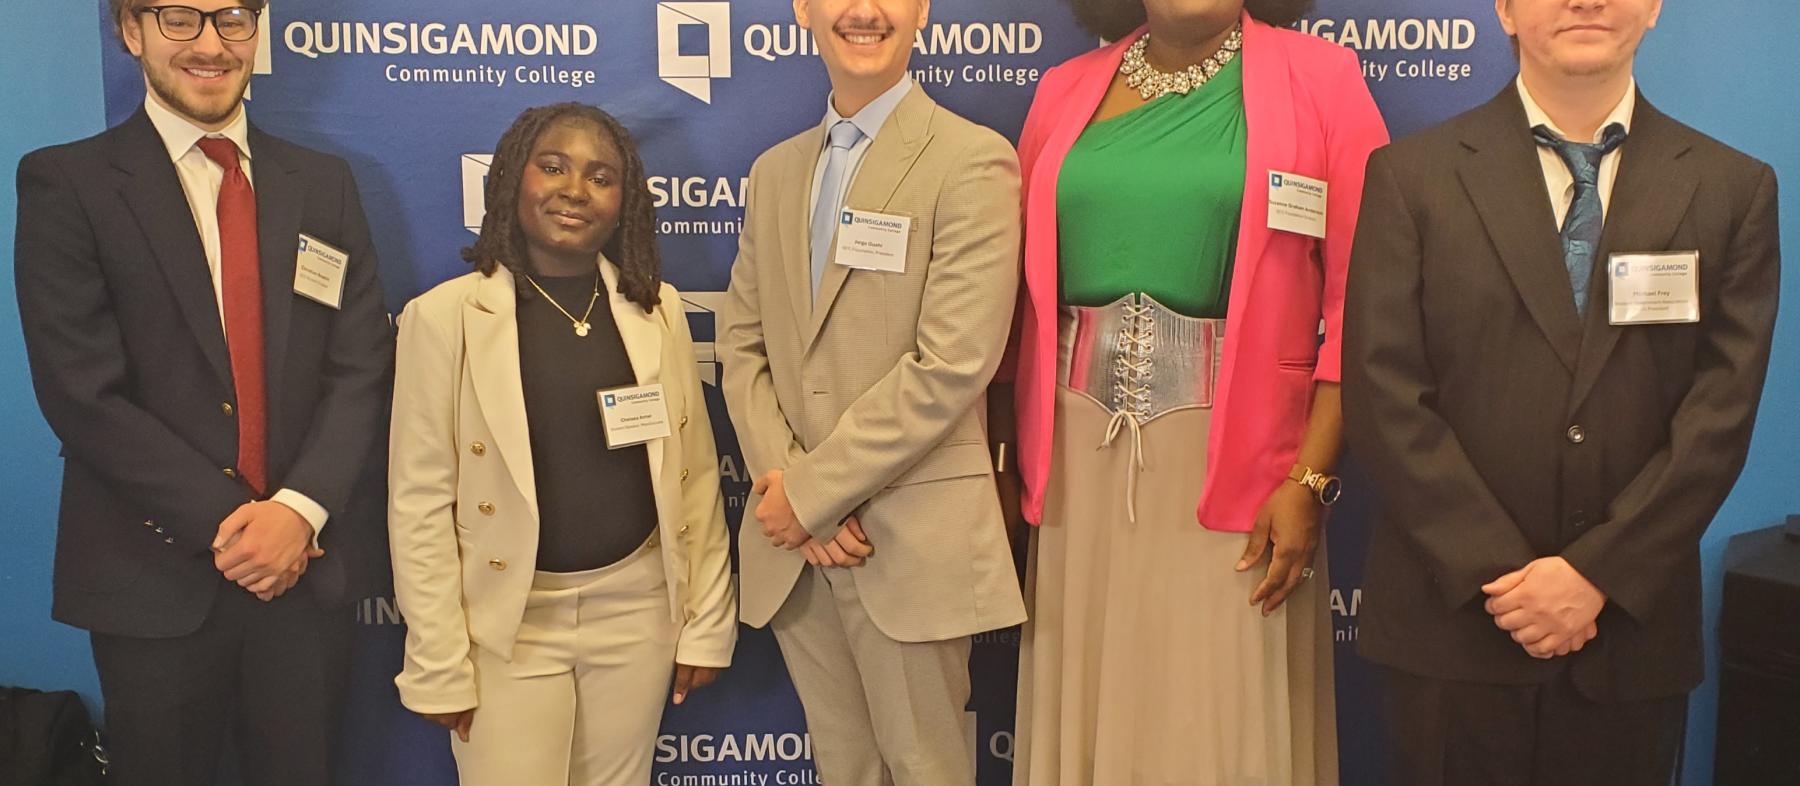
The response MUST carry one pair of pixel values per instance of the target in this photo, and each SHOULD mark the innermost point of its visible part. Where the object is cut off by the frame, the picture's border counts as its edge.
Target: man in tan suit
(868, 308)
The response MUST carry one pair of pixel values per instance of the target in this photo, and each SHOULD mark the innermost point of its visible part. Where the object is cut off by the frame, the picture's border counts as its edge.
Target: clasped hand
(1549, 608)
(264, 547)
(848, 548)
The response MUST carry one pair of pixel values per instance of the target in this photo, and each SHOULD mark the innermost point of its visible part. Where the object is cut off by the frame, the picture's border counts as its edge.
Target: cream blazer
(462, 504)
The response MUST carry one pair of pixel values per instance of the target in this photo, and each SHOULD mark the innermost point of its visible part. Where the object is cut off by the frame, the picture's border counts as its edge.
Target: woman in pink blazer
(1190, 196)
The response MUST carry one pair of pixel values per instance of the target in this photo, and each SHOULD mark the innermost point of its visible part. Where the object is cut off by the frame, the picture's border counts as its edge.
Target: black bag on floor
(46, 739)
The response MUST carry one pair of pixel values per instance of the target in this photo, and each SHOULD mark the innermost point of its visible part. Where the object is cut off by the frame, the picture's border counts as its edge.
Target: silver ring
(1306, 573)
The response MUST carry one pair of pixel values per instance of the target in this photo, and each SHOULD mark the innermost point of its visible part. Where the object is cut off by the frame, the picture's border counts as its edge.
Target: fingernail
(680, 697)
(1241, 565)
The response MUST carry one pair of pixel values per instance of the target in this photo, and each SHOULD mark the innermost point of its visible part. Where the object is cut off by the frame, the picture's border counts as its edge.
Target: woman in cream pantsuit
(555, 583)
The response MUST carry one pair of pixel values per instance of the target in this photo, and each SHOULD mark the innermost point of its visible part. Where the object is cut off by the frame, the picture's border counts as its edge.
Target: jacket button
(158, 530)
(150, 523)
(497, 563)
(478, 449)
(229, 472)
(1576, 435)
(684, 474)
(170, 541)
(225, 407)
(683, 423)
(683, 530)
(486, 508)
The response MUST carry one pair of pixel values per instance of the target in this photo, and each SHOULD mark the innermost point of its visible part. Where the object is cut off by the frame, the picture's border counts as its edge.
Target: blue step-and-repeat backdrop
(414, 93)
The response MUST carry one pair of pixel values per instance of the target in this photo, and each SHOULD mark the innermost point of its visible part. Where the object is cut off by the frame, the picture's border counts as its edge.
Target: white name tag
(1654, 289)
(319, 271)
(633, 415)
(1297, 204)
(872, 241)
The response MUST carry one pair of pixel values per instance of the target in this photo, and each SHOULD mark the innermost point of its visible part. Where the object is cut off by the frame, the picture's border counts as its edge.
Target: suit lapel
(643, 340)
(795, 220)
(491, 333)
(1651, 194)
(1503, 178)
(895, 149)
(1271, 145)
(278, 202)
(153, 192)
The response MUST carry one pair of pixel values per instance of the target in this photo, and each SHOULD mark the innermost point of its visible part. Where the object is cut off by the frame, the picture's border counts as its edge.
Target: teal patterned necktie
(1581, 227)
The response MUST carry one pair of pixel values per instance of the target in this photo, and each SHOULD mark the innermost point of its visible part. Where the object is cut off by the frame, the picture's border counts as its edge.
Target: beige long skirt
(1143, 663)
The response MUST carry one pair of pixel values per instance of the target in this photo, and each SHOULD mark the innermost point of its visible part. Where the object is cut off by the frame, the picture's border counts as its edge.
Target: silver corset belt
(1136, 356)
(1139, 360)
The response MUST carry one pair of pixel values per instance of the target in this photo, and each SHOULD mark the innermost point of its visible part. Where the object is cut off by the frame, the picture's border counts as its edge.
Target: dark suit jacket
(1501, 427)
(129, 361)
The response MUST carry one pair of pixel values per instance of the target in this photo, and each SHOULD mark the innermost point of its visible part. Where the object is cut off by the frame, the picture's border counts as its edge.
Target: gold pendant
(581, 329)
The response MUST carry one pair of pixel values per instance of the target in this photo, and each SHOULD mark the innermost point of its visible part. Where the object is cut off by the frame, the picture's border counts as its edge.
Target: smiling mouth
(204, 73)
(569, 219)
(862, 37)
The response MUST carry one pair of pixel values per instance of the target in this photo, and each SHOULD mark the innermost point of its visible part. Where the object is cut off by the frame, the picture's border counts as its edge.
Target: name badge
(1297, 204)
(633, 415)
(319, 271)
(1654, 289)
(872, 241)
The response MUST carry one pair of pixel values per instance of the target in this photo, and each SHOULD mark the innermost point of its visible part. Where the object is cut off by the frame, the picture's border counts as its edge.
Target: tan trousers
(881, 712)
(582, 698)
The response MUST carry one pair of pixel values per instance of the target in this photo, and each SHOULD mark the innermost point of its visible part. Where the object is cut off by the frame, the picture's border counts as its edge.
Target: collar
(1621, 112)
(875, 115)
(180, 135)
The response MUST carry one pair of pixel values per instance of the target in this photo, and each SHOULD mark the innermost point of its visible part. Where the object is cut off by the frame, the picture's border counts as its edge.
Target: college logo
(474, 189)
(845, 218)
(1621, 269)
(692, 68)
(702, 309)
(1274, 180)
(610, 401)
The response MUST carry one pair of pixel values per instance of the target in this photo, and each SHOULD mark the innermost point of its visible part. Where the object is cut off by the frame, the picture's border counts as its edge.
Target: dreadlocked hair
(632, 246)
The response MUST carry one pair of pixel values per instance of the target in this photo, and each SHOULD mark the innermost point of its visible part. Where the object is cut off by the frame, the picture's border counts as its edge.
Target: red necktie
(240, 284)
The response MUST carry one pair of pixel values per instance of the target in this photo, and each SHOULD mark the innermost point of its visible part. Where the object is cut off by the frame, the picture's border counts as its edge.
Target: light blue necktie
(844, 135)
(1581, 227)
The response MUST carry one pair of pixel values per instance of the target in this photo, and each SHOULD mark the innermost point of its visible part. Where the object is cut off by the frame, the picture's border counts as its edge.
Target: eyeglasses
(181, 23)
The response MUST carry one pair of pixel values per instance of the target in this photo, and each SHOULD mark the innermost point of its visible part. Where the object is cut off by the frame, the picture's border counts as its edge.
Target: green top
(1148, 201)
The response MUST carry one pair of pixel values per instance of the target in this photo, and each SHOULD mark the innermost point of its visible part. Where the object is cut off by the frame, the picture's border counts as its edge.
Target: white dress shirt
(200, 181)
(1557, 179)
(869, 121)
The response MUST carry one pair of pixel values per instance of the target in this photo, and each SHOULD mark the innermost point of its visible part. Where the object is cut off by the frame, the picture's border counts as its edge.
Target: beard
(204, 111)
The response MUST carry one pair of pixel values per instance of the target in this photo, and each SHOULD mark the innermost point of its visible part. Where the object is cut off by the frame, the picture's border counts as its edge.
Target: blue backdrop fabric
(414, 93)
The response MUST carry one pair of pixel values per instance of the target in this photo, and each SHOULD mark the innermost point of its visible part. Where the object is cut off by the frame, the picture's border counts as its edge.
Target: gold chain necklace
(581, 325)
(1151, 83)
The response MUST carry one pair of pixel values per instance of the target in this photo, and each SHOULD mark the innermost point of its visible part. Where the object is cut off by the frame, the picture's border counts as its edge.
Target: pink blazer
(1309, 112)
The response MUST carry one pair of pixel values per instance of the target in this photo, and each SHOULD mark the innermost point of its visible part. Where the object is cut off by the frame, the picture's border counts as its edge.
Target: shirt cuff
(313, 512)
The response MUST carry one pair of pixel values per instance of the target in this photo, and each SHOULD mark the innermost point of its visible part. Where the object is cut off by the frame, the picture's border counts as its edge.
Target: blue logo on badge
(302, 245)
(610, 401)
(1274, 180)
(845, 218)
(1621, 269)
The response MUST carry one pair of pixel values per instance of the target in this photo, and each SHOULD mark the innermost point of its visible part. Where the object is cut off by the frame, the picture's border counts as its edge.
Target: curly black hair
(632, 246)
(1115, 19)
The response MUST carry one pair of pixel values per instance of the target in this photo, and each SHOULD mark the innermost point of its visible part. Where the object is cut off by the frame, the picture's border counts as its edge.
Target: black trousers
(271, 675)
(1443, 733)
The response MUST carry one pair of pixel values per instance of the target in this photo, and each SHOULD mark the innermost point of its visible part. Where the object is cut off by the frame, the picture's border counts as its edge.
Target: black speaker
(1759, 680)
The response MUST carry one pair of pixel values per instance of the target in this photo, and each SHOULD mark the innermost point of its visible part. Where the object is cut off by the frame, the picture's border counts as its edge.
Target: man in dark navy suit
(207, 338)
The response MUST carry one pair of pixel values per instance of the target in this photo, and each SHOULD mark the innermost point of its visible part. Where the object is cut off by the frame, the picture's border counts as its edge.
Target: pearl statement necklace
(1151, 83)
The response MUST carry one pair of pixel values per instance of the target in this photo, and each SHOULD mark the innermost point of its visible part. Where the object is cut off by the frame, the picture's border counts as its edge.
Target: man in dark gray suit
(1558, 322)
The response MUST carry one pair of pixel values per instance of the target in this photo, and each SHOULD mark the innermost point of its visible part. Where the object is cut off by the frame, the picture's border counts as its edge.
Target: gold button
(478, 449)
(230, 473)
(486, 508)
(683, 421)
(225, 407)
(497, 563)
(684, 474)
(684, 529)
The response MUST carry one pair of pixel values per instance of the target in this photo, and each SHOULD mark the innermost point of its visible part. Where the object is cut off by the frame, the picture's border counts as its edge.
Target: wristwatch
(1325, 488)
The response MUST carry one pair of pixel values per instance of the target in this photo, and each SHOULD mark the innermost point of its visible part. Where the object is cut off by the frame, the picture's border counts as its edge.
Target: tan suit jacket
(462, 508)
(872, 400)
